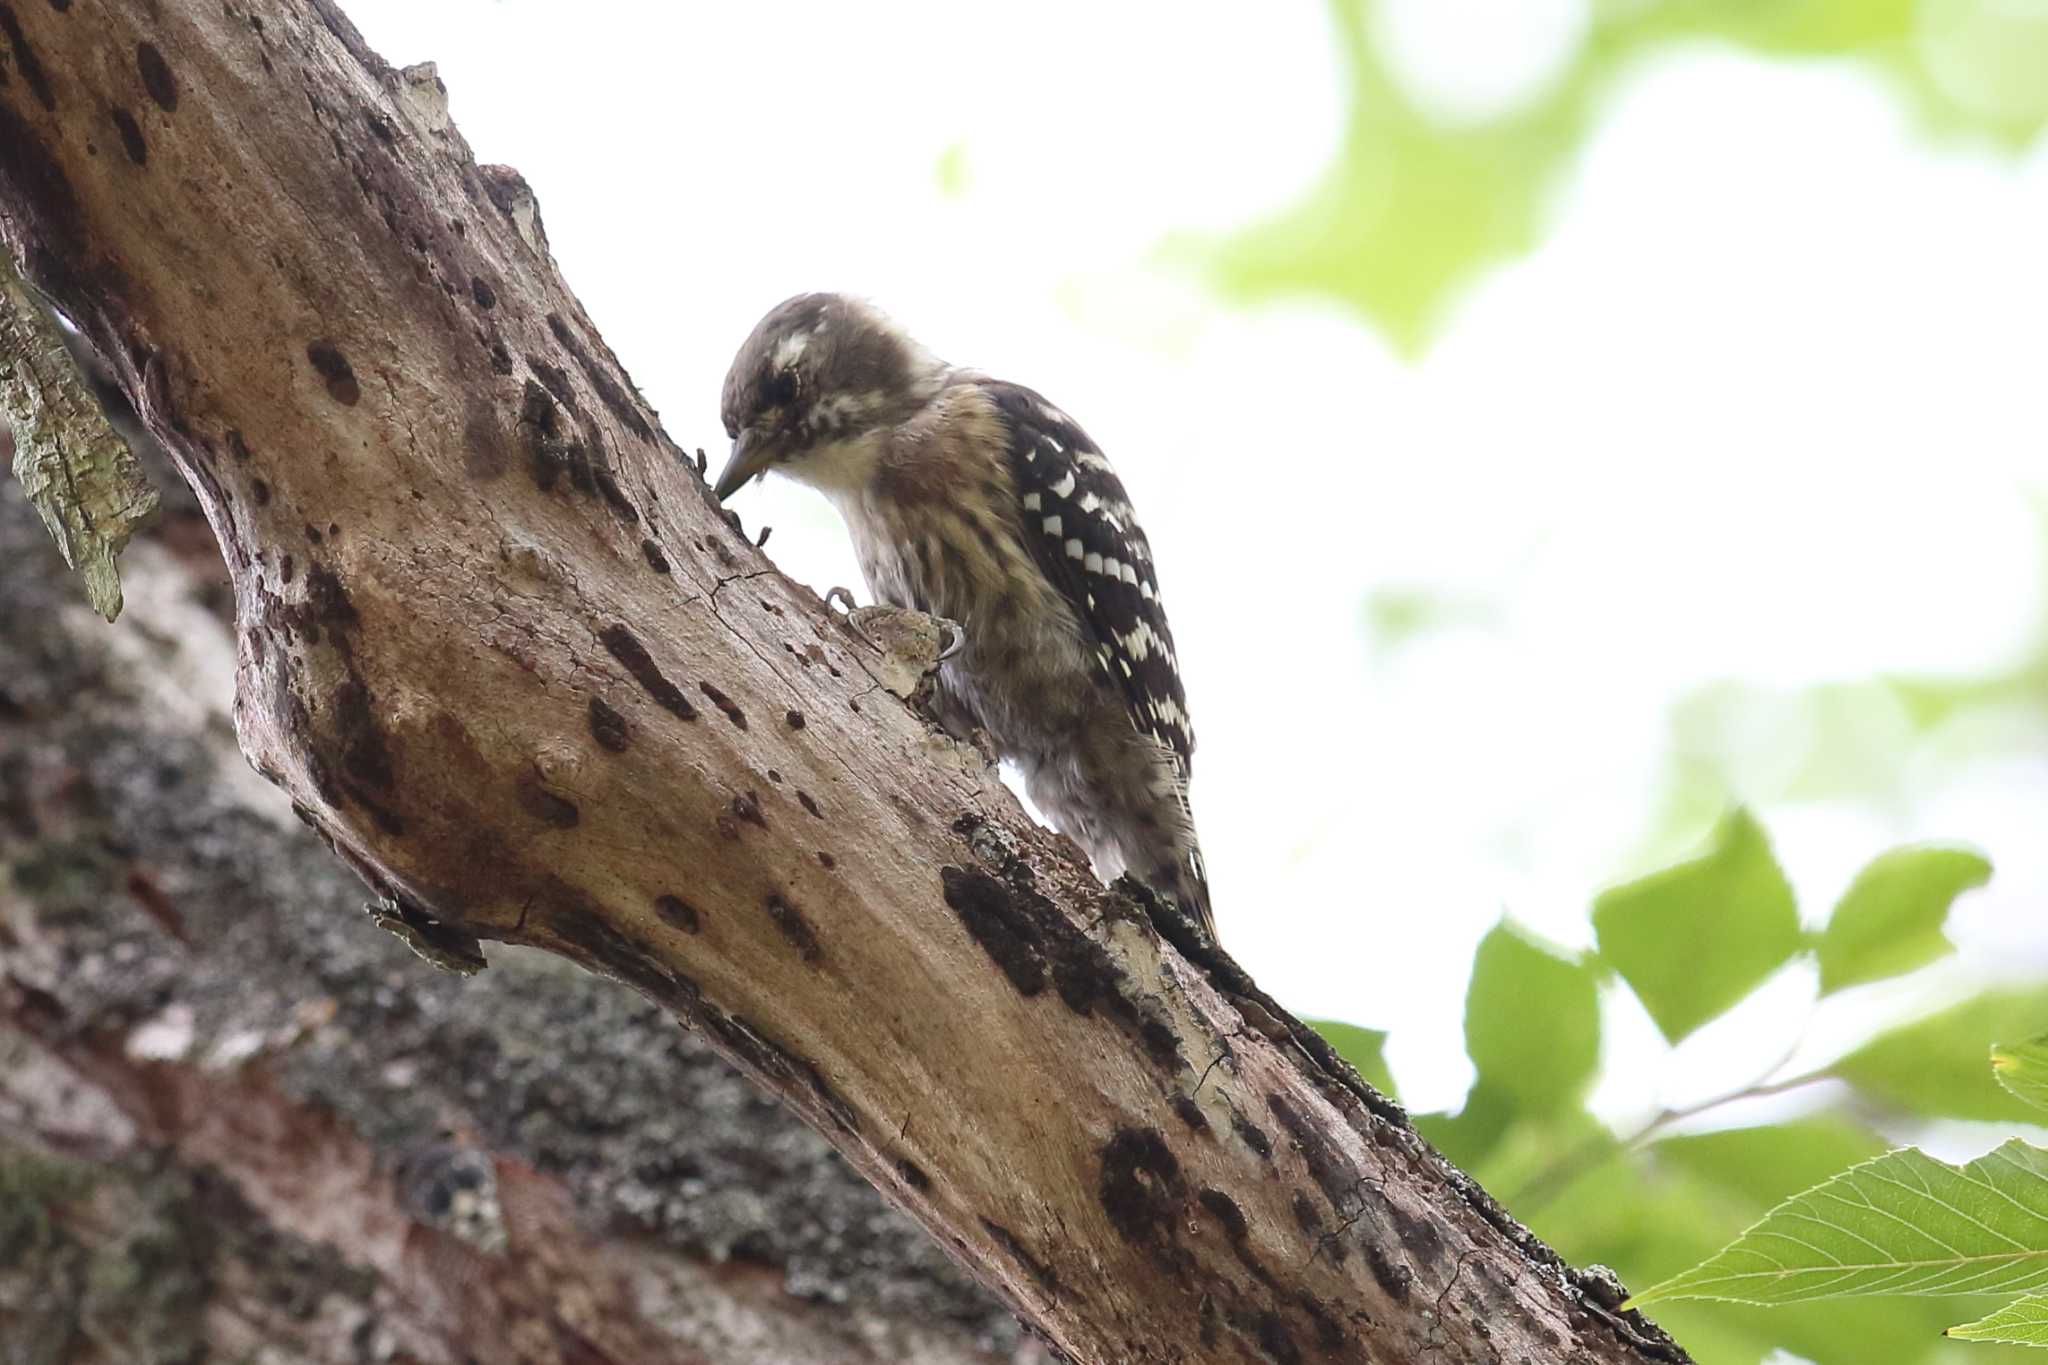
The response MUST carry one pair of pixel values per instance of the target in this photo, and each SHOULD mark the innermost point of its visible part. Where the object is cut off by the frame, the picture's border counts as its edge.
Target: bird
(978, 501)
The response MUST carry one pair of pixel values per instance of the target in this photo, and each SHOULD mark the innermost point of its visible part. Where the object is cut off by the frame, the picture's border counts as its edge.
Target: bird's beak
(750, 456)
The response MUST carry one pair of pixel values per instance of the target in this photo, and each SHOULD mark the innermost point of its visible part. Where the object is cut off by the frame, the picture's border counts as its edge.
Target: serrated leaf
(1889, 920)
(1532, 1020)
(1694, 939)
(1936, 1065)
(2023, 1322)
(2022, 1068)
(1364, 1048)
(1903, 1223)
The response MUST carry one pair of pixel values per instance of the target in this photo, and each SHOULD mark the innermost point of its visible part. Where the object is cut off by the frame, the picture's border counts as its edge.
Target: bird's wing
(1080, 526)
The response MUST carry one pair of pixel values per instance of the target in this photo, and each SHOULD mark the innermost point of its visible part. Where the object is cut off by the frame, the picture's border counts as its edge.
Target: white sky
(1760, 409)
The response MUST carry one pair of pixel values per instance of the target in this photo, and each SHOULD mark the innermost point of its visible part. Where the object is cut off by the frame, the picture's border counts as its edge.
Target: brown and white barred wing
(1087, 541)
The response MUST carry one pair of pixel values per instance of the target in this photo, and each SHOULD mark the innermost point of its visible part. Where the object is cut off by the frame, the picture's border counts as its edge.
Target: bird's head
(818, 374)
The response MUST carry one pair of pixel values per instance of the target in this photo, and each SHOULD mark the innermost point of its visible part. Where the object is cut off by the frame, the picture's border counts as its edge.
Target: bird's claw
(956, 640)
(840, 596)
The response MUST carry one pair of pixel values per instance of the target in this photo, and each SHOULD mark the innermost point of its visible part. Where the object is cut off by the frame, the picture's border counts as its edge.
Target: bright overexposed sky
(1760, 410)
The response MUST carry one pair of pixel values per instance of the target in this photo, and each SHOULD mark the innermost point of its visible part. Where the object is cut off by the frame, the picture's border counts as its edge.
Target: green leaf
(1532, 1020)
(1651, 1213)
(1889, 920)
(1936, 1065)
(2022, 1068)
(2023, 1322)
(1903, 1223)
(1364, 1048)
(1694, 939)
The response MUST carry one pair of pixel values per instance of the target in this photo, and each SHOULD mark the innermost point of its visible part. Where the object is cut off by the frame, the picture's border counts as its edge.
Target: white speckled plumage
(979, 501)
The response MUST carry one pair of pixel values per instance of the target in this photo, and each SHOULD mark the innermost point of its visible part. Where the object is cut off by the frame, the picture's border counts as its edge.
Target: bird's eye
(778, 388)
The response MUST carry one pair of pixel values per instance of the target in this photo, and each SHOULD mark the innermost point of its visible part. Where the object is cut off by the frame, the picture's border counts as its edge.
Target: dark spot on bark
(364, 755)
(1191, 1113)
(725, 704)
(1333, 1176)
(1419, 1236)
(237, 446)
(25, 59)
(156, 77)
(913, 1174)
(795, 928)
(483, 445)
(1230, 1218)
(1038, 1270)
(541, 423)
(333, 366)
(1274, 1341)
(805, 800)
(501, 359)
(795, 719)
(608, 727)
(287, 567)
(1225, 1211)
(61, 6)
(548, 808)
(1306, 1215)
(312, 533)
(260, 491)
(601, 378)
(1030, 940)
(826, 860)
(678, 914)
(1141, 1188)
(614, 496)
(1254, 1136)
(131, 136)
(656, 560)
(1394, 1280)
(480, 290)
(992, 920)
(727, 826)
(556, 379)
(633, 657)
(747, 806)
(327, 597)
(775, 777)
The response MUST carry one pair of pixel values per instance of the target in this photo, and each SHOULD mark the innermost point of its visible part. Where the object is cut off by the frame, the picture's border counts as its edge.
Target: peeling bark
(436, 493)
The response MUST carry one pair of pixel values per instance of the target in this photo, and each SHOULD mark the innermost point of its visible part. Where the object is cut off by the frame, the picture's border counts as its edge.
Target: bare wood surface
(505, 654)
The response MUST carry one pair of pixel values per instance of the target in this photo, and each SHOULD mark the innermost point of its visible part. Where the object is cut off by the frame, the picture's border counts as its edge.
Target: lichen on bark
(75, 468)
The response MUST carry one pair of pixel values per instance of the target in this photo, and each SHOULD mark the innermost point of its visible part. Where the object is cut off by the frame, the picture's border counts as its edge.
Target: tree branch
(504, 653)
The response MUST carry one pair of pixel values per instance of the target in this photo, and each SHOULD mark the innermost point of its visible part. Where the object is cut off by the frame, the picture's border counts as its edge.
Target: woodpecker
(979, 501)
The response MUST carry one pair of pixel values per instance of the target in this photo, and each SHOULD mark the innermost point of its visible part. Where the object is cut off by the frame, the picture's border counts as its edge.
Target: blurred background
(1559, 424)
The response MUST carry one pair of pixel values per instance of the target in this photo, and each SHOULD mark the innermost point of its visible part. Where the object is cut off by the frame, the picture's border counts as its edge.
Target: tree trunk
(508, 657)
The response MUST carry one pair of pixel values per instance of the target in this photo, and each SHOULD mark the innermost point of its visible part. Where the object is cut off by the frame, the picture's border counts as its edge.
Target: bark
(407, 1148)
(506, 655)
